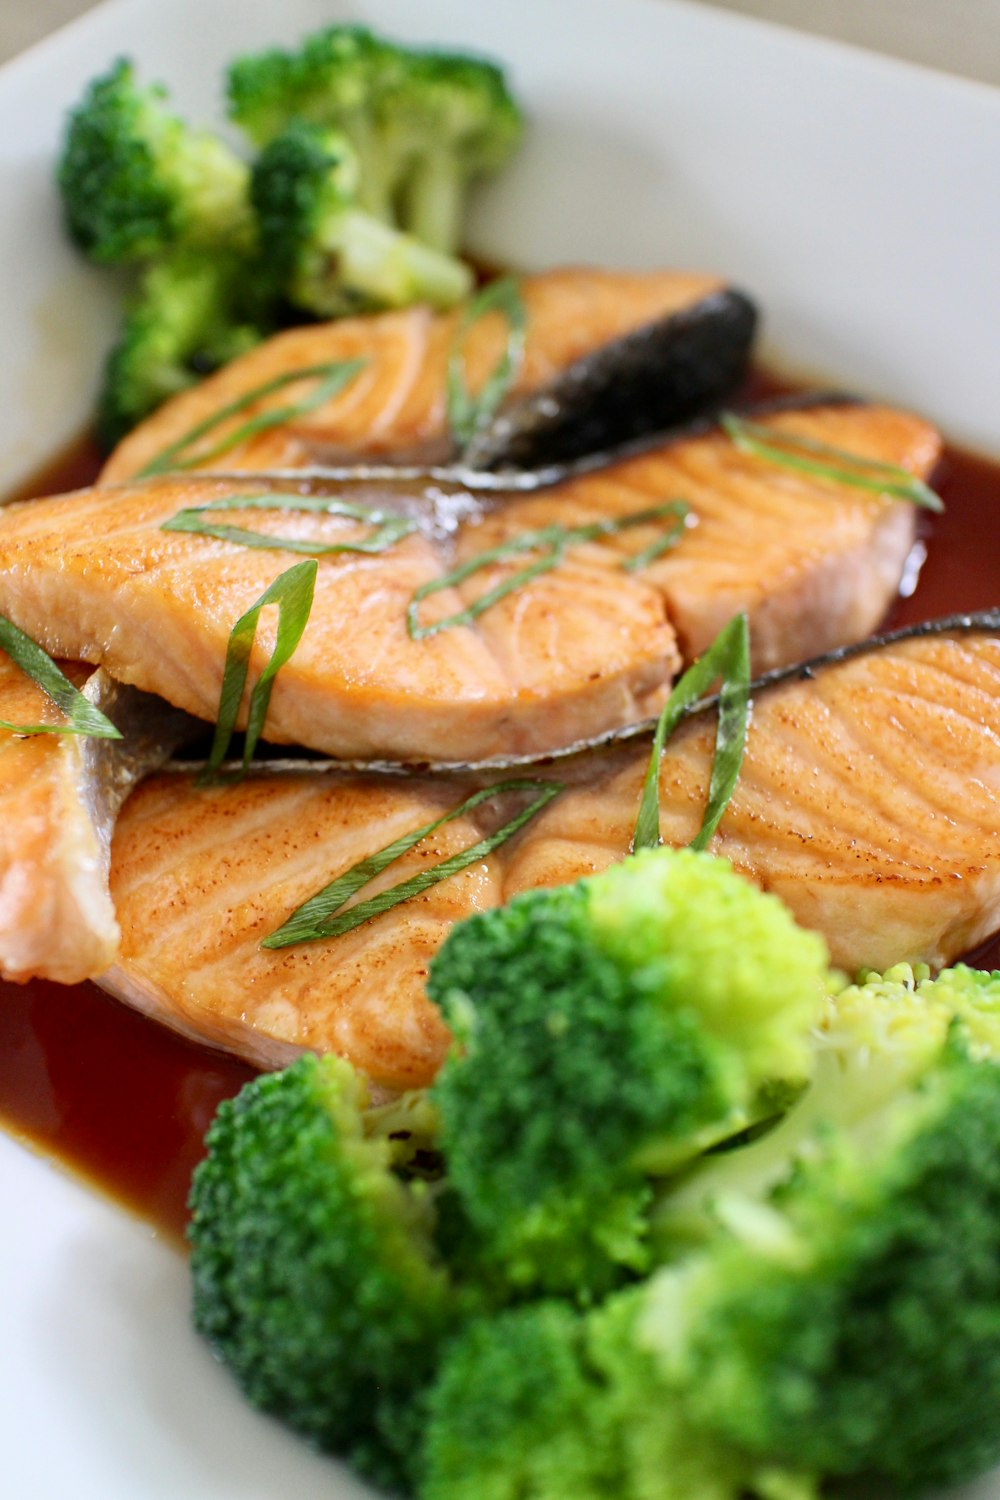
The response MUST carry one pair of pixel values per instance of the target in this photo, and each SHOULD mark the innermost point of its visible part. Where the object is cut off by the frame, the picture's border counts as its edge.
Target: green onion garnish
(468, 414)
(292, 592)
(727, 657)
(330, 378)
(35, 663)
(317, 918)
(793, 450)
(387, 528)
(552, 543)
(664, 543)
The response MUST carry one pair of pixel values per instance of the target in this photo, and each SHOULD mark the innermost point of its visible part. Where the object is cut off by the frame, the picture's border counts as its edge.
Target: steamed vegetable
(608, 1032)
(190, 313)
(355, 203)
(829, 1306)
(324, 252)
(137, 181)
(678, 1221)
(422, 124)
(315, 1273)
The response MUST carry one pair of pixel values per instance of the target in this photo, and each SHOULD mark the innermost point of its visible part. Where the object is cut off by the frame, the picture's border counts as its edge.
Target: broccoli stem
(432, 201)
(377, 173)
(853, 1086)
(380, 265)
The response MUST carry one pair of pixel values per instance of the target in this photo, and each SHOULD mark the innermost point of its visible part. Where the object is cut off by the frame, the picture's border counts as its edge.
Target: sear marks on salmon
(95, 573)
(608, 356)
(583, 649)
(59, 797)
(869, 800)
(813, 564)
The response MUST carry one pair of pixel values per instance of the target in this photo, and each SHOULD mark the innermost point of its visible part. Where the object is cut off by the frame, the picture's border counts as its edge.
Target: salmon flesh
(583, 648)
(869, 800)
(607, 356)
(59, 797)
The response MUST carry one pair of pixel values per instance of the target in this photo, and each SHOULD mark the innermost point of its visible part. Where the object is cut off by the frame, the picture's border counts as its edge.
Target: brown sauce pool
(125, 1103)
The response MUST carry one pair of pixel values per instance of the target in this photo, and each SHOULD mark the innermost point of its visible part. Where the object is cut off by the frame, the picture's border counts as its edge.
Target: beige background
(959, 36)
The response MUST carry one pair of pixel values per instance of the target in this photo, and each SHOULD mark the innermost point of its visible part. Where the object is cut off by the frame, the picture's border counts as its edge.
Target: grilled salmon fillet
(59, 796)
(587, 647)
(56, 916)
(396, 406)
(869, 801)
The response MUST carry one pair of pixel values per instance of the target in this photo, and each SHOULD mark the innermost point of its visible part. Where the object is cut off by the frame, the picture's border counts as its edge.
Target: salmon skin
(607, 356)
(584, 648)
(869, 800)
(657, 377)
(59, 797)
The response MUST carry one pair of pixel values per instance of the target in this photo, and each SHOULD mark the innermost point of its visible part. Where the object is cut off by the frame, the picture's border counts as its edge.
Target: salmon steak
(59, 797)
(869, 800)
(606, 356)
(585, 647)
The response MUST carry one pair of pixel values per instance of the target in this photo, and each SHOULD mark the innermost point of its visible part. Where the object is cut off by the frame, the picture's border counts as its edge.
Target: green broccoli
(314, 1273)
(839, 1316)
(516, 1413)
(591, 1261)
(452, 120)
(338, 78)
(607, 1032)
(874, 1039)
(422, 124)
(368, 148)
(189, 315)
(843, 1317)
(321, 250)
(547, 1402)
(136, 181)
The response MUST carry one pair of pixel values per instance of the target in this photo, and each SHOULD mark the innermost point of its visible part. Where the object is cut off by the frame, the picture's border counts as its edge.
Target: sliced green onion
(547, 538)
(727, 657)
(292, 592)
(468, 414)
(318, 917)
(35, 663)
(330, 378)
(552, 542)
(793, 450)
(387, 528)
(665, 543)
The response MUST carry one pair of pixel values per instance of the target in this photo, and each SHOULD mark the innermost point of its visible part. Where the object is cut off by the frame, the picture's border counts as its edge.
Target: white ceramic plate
(854, 197)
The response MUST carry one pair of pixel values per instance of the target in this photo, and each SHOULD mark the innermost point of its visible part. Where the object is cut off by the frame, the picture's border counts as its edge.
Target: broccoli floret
(608, 1031)
(422, 124)
(842, 1313)
(822, 1294)
(325, 253)
(339, 77)
(874, 1039)
(545, 1402)
(189, 315)
(452, 120)
(135, 180)
(314, 1273)
(515, 1414)
(334, 76)
(839, 1318)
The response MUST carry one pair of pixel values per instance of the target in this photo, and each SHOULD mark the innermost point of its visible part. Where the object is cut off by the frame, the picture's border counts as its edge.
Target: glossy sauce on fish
(125, 1102)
